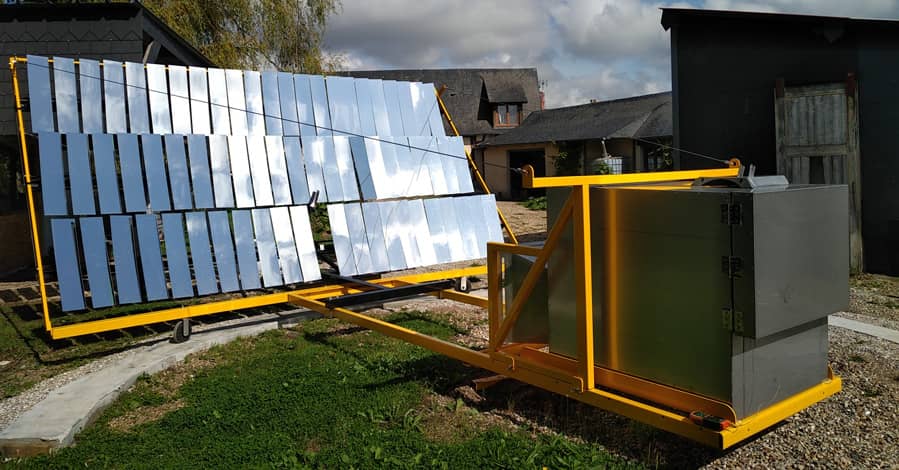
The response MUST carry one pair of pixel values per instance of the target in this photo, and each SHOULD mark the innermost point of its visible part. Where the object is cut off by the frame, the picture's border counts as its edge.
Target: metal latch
(731, 320)
(732, 266)
(732, 214)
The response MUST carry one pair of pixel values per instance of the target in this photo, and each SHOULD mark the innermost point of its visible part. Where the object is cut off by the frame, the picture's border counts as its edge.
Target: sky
(582, 49)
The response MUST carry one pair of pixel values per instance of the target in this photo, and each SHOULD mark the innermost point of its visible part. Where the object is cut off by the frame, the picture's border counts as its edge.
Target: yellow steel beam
(584, 281)
(531, 181)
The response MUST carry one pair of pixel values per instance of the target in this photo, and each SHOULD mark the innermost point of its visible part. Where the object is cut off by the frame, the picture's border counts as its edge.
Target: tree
(253, 34)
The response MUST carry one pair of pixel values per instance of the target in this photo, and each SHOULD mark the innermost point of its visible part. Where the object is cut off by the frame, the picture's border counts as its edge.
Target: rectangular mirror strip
(158, 89)
(132, 173)
(262, 183)
(395, 181)
(178, 172)
(93, 239)
(421, 232)
(265, 245)
(66, 95)
(302, 233)
(469, 235)
(154, 165)
(200, 253)
(179, 93)
(472, 205)
(320, 105)
(344, 157)
(403, 175)
(420, 168)
(342, 104)
(287, 249)
(105, 169)
(114, 97)
(365, 107)
(455, 241)
(404, 92)
(358, 238)
(321, 151)
(379, 107)
(343, 247)
(437, 229)
(220, 158)
(305, 107)
(71, 292)
(245, 244)
(394, 115)
(91, 97)
(491, 218)
(255, 112)
(374, 232)
(176, 256)
(237, 104)
(288, 98)
(400, 219)
(313, 156)
(435, 117)
(271, 103)
(277, 165)
(422, 108)
(136, 91)
(449, 165)
(293, 153)
(81, 181)
(218, 99)
(362, 162)
(240, 171)
(39, 101)
(53, 186)
(199, 101)
(223, 247)
(396, 248)
(199, 172)
(126, 281)
(151, 257)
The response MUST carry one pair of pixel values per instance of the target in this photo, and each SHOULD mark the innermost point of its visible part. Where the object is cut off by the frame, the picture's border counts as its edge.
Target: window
(507, 115)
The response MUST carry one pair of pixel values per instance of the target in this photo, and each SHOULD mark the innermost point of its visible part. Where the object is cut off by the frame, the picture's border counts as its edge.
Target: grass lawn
(324, 395)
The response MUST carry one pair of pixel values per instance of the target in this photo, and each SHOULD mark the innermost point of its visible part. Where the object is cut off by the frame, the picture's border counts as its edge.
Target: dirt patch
(450, 420)
(528, 225)
(875, 296)
(143, 415)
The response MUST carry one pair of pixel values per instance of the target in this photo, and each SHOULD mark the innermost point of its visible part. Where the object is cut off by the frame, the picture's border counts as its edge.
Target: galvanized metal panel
(422, 233)
(113, 97)
(374, 231)
(132, 173)
(305, 106)
(379, 108)
(320, 105)
(315, 167)
(68, 272)
(271, 103)
(218, 97)
(365, 107)
(199, 171)
(53, 187)
(220, 157)
(435, 118)
(151, 257)
(199, 100)
(363, 166)
(179, 93)
(89, 80)
(287, 249)
(237, 104)
(320, 150)
(255, 110)
(358, 238)
(136, 91)
(342, 104)
(124, 266)
(223, 247)
(93, 241)
(435, 218)
(245, 242)
(287, 96)
(265, 244)
(274, 146)
(393, 235)
(176, 255)
(154, 164)
(178, 172)
(66, 95)
(105, 169)
(201, 253)
(299, 187)
(81, 181)
(39, 100)
(343, 247)
(394, 114)
(455, 239)
(344, 157)
(262, 183)
(240, 171)
(302, 233)
(157, 86)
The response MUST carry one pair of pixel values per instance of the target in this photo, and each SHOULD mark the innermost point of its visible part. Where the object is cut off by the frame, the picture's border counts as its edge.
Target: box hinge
(732, 266)
(732, 213)
(727, 319)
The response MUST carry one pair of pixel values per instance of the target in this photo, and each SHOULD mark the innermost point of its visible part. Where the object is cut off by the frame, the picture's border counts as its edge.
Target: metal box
(720, 291)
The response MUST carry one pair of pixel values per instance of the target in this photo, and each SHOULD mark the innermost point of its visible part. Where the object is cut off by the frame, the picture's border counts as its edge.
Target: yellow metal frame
(658, 405)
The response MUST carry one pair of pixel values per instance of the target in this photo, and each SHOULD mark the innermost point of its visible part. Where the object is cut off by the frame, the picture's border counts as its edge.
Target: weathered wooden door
(817, 143)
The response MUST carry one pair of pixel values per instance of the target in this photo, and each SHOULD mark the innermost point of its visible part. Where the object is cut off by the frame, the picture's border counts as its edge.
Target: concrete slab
(865, 328)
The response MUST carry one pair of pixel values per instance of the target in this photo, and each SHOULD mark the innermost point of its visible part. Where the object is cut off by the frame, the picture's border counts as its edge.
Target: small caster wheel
(181, 333)
(462, 285)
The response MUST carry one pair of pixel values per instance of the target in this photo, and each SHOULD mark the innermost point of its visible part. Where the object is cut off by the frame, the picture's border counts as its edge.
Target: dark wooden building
(814, 98)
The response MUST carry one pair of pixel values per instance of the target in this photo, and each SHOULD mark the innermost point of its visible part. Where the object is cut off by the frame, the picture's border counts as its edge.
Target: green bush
(535, 203)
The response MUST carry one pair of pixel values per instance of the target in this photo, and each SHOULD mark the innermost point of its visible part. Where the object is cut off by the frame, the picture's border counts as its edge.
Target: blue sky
(583, 49)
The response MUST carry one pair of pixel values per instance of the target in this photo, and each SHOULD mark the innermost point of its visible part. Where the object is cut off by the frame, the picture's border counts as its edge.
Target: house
(630, 130)
(811, 97)
(114, 30)
(482, 102)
